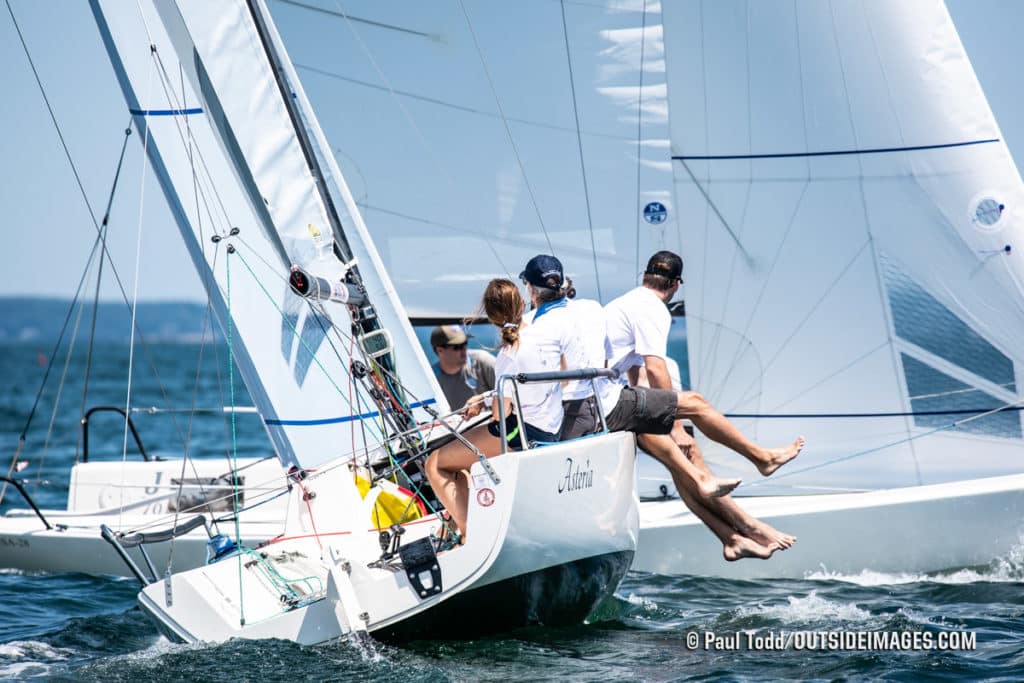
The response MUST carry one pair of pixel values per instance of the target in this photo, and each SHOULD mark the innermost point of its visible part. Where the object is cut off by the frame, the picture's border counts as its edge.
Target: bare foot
(767, 535)
(777, 457)
(713, 487)
(739, 547)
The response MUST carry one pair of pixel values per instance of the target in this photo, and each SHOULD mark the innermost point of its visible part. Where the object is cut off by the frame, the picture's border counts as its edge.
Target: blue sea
(655, 628)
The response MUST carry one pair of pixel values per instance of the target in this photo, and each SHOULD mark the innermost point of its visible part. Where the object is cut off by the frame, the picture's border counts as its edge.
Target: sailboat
(851, 269)
(327, 354)
(852, 224)
(844, 203)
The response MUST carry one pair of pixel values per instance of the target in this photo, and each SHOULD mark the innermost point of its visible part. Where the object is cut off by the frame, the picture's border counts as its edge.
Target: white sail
(852, 236)
(475, 147)
(229, 153)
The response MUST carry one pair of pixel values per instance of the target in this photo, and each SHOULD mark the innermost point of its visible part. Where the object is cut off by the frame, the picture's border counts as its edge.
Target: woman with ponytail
(523, 349)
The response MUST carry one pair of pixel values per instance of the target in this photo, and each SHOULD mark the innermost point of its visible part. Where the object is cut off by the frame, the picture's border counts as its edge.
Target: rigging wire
(105, 253)
(639, 131)
(1018, 405)
(457, 107)
(57, 398)
(369, 22)
(234, 431)
(387, 83)
(135, 293)
(298, 335)
(104, 229)
(49, 366)
(508, 129)
(732, 278)
(579, 144)
(186, 454)
(733, 363)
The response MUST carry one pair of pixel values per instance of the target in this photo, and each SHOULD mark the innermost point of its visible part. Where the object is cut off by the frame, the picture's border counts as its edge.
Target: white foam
(916, 617)
(23, 670)
(1006, 569)
(34, 650)
(1000, 571)
(805, 609)
(647, 604)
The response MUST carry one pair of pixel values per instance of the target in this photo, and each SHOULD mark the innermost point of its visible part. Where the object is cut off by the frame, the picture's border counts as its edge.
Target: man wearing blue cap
(461, 372)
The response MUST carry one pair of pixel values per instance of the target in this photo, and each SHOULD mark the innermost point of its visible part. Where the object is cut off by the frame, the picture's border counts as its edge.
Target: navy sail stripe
(166, 112)
(804, 416)
(833, 153)
(339, 420)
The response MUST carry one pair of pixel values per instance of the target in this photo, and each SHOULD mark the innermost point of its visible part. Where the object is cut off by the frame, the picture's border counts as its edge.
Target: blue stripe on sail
(833, 153)
(166, 112)
(339, 420)
(811, 416)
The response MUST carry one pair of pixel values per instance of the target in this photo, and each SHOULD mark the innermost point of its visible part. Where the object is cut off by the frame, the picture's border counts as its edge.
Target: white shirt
(541, 347)
(587, 320)
(638, 326)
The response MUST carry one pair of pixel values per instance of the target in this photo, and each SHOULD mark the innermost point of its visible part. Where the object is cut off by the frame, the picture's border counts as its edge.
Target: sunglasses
(457, 347)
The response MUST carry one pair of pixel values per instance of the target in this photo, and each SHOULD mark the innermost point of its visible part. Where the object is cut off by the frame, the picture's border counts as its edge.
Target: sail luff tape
(317, 288)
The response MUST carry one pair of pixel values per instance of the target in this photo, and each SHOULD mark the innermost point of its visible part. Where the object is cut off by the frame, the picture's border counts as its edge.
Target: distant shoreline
(39, 320)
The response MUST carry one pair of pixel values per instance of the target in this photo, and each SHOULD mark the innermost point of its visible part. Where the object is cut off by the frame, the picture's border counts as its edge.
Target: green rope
(384, 441)
(234, 436)
(313, 584)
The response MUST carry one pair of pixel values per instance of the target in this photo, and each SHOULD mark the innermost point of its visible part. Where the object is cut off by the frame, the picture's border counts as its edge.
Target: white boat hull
(915, 529)
(546, 544)
(138, 496)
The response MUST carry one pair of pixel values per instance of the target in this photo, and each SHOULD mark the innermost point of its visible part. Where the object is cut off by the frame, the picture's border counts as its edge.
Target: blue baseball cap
(541, 270)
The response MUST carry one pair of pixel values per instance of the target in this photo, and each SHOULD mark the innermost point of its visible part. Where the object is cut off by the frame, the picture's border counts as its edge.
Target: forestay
(852, 238)
(239, 168)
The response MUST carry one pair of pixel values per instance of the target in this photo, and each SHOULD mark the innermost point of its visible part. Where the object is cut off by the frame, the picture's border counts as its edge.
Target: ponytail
(503, 305)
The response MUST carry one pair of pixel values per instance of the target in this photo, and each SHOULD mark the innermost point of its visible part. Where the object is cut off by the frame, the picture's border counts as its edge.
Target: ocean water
(655, 628)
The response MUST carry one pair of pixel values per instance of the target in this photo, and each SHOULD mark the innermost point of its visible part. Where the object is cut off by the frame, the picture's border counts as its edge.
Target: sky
(47, 228)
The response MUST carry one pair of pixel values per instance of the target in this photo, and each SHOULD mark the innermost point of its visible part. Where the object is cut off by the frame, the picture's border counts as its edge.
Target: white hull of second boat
(913, 530)
(546, 543)
(141, 497)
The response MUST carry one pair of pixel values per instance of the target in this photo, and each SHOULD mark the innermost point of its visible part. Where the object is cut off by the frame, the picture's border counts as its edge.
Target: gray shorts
(580, 418)
(643, 411)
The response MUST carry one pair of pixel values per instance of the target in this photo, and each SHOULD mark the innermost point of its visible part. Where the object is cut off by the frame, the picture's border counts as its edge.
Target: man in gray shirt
(461, 372)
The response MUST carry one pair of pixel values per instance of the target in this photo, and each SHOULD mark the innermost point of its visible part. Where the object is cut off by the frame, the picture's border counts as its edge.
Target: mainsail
(487, 134)
(852, 238)
(242, 162)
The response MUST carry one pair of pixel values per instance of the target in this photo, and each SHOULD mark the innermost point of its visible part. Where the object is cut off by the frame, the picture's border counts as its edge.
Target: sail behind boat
(851, 219)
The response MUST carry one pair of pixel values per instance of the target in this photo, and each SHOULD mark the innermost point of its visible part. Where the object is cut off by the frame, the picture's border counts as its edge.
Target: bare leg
(700, 483)
(735, 546)
(717, 427)
(727, 508)
(443, 468)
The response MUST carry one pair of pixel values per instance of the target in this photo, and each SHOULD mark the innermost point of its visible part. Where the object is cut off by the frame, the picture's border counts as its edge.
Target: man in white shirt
(638, 326)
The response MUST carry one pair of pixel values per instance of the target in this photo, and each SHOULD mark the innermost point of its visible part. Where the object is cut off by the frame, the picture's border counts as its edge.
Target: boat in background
(851, 227)
(846, 208)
